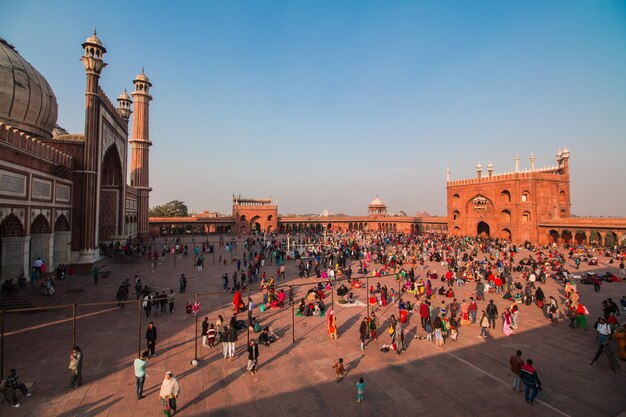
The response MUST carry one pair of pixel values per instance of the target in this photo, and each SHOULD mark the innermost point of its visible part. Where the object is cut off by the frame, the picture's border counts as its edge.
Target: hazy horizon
(327, 104)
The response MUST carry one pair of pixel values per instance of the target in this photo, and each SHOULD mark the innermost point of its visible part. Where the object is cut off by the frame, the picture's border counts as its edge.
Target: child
(211, 332)
(188, 308)
(339, 370)
(429, 331)
(360, 389)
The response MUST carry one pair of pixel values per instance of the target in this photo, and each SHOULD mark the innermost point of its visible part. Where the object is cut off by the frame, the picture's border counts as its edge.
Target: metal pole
(2, 313)
(195, 354)
(139, 303)
(249, 313)
(367, 292)
(293, 318)
(73, 324)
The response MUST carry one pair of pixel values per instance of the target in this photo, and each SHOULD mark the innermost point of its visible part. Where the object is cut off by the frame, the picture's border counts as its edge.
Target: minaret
(490, 169)
(448, 174)
(565, 155)
(140, 148)
(124, 105)
(479, 170)
(516, 163)
(92, 59)
(532, 162)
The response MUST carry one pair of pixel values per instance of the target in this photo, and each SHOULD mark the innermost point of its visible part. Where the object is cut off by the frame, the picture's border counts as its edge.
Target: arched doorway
(482, 229)
(554, 236)
(610, 239)
(505, 234)
(12, 253)
(111, 191)
(566, 237)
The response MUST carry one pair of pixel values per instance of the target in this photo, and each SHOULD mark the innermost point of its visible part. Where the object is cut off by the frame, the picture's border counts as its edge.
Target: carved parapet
(35, 147)
(111, 108)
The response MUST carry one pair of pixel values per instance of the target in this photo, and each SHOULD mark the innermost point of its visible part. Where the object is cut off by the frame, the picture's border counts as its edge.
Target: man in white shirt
(604, 331)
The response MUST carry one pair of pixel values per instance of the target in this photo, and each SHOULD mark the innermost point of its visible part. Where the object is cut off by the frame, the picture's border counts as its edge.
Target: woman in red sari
(237, 301)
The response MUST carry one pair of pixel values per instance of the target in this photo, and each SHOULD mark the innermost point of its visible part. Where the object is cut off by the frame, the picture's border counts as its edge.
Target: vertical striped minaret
(140, 147)
(92, 59)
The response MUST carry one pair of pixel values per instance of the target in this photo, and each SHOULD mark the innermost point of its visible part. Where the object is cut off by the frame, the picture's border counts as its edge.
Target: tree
(174, 208)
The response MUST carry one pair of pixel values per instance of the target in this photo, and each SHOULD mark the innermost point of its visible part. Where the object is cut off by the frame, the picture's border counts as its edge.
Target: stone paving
(464, 378)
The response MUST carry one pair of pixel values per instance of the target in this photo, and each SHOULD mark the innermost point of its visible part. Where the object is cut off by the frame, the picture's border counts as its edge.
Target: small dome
(479, 166)
(94, 39)
(27, 101)
(124, 96)
(143, 77)
(377, 202)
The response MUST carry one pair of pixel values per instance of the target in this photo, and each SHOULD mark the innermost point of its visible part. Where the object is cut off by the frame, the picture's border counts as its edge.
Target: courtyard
(467, 377)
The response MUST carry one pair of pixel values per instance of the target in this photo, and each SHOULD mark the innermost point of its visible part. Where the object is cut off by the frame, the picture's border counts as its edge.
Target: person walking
(363, 332)
(205, 331)
(516, 362)
(170, 389)
(140, 373)
(9, 386)
(76, 368)
(151, 338)
(360, 390)
(96, 275)
(483, 323)
(253, 357)
(171, 299)
(473, 308)
(340, 370)
(532, 383)
(492, 313)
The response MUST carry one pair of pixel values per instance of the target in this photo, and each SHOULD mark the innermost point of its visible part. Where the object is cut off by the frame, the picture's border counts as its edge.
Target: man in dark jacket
(205, 331)
(532, 384)
(253, 356)
(231, 338)
(151, 337)
(363, 332)
(492, 313)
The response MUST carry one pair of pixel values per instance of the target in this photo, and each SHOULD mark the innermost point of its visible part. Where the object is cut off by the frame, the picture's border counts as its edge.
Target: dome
(94, 39)
(377, 202)
(124, 96)
(26, 100)
(142, 77)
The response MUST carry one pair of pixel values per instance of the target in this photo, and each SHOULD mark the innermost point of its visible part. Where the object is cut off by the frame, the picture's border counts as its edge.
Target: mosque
(64, 194)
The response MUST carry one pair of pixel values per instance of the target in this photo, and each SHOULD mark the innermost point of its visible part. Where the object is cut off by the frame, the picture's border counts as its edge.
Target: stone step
(15, 300)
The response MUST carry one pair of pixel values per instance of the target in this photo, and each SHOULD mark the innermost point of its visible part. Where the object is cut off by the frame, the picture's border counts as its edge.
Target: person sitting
(255, 326)
(9, 386)
(8, 287)
(342, 290)
(450, 293)
(350, 298)
(309, 309)
(441, 291)
(301, 308)
(267, 336)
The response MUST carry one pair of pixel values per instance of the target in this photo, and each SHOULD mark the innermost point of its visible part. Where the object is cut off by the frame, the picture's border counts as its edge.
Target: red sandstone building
(62, 194)
(524, 205)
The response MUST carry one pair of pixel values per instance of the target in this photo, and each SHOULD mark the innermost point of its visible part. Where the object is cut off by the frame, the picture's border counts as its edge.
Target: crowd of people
(451, 283)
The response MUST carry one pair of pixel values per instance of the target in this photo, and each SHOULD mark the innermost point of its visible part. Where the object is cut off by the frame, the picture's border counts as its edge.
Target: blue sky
(327, 103)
